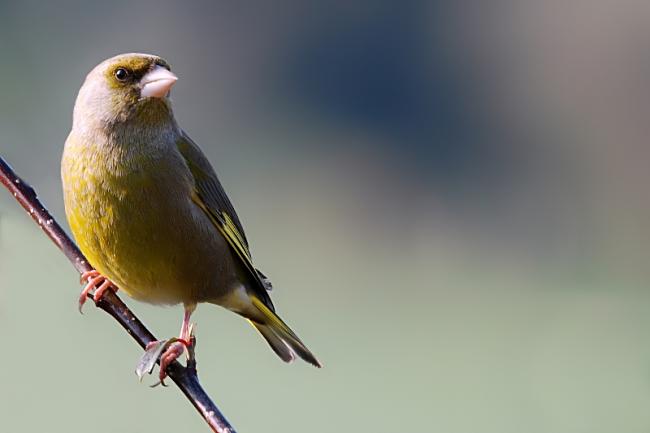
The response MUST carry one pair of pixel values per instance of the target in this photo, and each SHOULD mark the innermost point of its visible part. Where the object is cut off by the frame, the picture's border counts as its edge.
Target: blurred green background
(450, 198)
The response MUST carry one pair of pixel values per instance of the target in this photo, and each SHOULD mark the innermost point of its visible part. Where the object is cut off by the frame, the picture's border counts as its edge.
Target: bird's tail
(284, 342)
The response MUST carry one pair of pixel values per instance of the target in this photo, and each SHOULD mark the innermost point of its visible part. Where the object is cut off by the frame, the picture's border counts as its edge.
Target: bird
(150, 214)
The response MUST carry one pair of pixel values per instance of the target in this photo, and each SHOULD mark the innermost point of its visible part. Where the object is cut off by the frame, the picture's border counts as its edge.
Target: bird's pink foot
(96, 281)
(172, 349)
(171, 354)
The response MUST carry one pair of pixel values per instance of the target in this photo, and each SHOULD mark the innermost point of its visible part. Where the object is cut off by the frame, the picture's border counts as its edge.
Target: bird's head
(128, 88)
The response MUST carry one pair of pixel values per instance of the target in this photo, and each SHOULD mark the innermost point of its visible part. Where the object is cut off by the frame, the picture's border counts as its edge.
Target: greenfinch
(148, 211)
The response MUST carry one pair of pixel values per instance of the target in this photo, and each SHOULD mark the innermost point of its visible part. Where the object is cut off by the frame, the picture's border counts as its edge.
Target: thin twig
(185, 378)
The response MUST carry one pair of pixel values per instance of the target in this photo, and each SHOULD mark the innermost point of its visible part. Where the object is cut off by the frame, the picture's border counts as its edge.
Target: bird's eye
(122, 74)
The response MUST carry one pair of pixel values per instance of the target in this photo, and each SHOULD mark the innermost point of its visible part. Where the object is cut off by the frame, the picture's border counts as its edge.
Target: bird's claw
(168, 351)
(96, 281)
(172, 350)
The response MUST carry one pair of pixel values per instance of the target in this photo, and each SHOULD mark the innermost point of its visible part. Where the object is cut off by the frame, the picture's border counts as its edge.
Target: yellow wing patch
(210, 197)
(232, 232)
(224, 223)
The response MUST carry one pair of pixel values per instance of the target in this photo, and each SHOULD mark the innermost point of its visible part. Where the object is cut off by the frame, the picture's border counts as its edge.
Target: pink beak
(157, 82)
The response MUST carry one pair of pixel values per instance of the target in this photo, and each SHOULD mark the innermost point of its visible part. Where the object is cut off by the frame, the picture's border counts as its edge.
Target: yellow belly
(138, 226)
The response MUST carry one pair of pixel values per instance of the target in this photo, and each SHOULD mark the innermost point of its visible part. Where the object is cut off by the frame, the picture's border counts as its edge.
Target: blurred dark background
(450, 198)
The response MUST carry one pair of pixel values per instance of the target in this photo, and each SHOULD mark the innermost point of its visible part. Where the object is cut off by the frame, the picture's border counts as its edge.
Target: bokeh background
(450, 197)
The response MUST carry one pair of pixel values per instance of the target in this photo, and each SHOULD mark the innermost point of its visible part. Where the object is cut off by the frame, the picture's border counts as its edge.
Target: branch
(184, 377)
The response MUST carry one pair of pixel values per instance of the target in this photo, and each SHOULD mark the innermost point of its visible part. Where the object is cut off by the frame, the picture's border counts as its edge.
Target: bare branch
(185, 377)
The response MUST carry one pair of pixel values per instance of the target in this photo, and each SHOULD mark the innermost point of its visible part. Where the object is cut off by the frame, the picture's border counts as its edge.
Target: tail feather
(280, 337)
(276, 343)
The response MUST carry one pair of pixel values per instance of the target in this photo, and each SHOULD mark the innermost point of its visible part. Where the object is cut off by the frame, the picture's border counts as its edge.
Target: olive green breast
(132, 215)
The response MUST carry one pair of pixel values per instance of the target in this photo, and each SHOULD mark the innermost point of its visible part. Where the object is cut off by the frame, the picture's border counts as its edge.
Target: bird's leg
(94, 278)
(185, 326)
(176, 349)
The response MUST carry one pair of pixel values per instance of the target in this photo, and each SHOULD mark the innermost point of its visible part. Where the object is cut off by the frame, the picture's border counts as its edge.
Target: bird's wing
(212, 199)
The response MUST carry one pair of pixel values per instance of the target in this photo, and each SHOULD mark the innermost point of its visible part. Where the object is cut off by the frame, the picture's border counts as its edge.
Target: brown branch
(184, 377)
